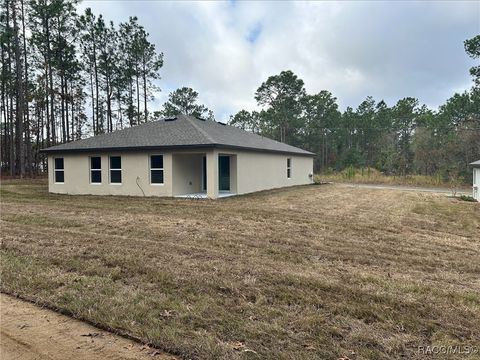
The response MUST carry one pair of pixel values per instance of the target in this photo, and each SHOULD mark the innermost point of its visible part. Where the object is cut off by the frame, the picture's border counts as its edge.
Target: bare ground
(315, 272)
(29, 332)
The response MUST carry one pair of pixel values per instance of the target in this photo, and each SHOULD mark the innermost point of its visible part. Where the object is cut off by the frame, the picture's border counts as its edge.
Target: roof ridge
(203, 132)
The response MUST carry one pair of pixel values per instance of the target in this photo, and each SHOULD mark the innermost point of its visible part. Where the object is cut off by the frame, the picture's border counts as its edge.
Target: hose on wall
(138, 178)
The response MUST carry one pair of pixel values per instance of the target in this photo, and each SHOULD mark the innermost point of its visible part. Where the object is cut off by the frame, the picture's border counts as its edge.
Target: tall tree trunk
(39, 116)
(130, 104)
(13, 167)
(326, 148)
(73, 109)
(109, 105)
(20, 95)
(4, 110)
(96, 82)
(65, 93)
(323, 149)
(52, 105)
(138, 95)
(119, 100)
(27, 110)
(43, 132)
(47, 107)
(3, 115)
(9, 135)
(145, 92)
(94, 123)
(62, 106)
(50, 90)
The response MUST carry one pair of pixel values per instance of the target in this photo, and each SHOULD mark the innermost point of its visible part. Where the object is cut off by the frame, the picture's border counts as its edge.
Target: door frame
(204, 173)
(229, 173)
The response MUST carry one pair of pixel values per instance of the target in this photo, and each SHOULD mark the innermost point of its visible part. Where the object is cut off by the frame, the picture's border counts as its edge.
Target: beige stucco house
(179, 156)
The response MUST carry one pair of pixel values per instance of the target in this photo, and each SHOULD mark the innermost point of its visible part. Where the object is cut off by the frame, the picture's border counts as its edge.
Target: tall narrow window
(289, 168)
(59, 171)
(156, 169)
(115, 169)
(96, 170)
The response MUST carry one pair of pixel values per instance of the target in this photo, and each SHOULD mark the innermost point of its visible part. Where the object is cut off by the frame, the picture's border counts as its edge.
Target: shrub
(349, 172)
(467, 198)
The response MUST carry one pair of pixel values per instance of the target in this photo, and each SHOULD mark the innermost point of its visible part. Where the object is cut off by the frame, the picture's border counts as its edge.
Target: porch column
(212, 174)
(168, 159)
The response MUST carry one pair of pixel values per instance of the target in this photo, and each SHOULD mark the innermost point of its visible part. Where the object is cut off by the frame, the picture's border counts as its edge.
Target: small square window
(157, 176)
(156, 161)
(115, 162)
(96, 163)
(96, 176)
(59, 164)
(116, 176)
(59, 176)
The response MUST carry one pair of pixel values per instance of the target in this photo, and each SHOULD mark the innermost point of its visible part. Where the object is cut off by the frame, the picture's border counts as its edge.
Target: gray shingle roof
(475, 163)
(183, 132)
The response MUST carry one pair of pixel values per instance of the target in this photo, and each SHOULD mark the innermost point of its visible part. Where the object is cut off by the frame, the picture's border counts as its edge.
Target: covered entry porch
(200, 175)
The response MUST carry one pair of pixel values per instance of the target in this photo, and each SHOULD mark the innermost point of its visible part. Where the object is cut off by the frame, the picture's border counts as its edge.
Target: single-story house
(476, 179)
(177, 156)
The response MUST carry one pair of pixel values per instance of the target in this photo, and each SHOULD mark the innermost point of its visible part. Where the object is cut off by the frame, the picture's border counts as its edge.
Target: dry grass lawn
(315, 272)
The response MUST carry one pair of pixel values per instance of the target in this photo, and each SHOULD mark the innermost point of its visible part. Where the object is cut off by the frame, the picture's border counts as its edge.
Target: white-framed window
(95, 170)
(289, 168)
(59, 171)
(156, 170)
(115, 169)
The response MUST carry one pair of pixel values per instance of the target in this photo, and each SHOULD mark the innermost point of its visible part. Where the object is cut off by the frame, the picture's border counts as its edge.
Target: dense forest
(66, 75)
(406, 138)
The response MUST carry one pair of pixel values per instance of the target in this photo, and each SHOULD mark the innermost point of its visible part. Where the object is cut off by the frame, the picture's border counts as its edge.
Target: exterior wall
(77, 175)
(476, 183)
(249, 171)
(261, 171)
(233, 174)
(187, 173)
(212, 174)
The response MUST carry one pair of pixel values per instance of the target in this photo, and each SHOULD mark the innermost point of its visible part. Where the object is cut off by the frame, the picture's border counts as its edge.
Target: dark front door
(224, 173)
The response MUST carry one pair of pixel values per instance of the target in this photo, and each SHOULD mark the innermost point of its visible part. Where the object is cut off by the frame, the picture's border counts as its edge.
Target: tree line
(65, 75)
(402, 139)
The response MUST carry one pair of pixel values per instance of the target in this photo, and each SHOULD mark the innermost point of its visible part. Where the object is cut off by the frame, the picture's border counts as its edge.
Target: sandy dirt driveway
(29, 332)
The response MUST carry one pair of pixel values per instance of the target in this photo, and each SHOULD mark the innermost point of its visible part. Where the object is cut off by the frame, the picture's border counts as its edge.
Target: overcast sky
(388, 50)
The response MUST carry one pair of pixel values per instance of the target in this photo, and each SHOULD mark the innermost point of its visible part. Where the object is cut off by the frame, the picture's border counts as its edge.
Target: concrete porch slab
(204, 195)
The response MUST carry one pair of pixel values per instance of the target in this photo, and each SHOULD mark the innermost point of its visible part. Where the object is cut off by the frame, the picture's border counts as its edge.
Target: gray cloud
(388, 50)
